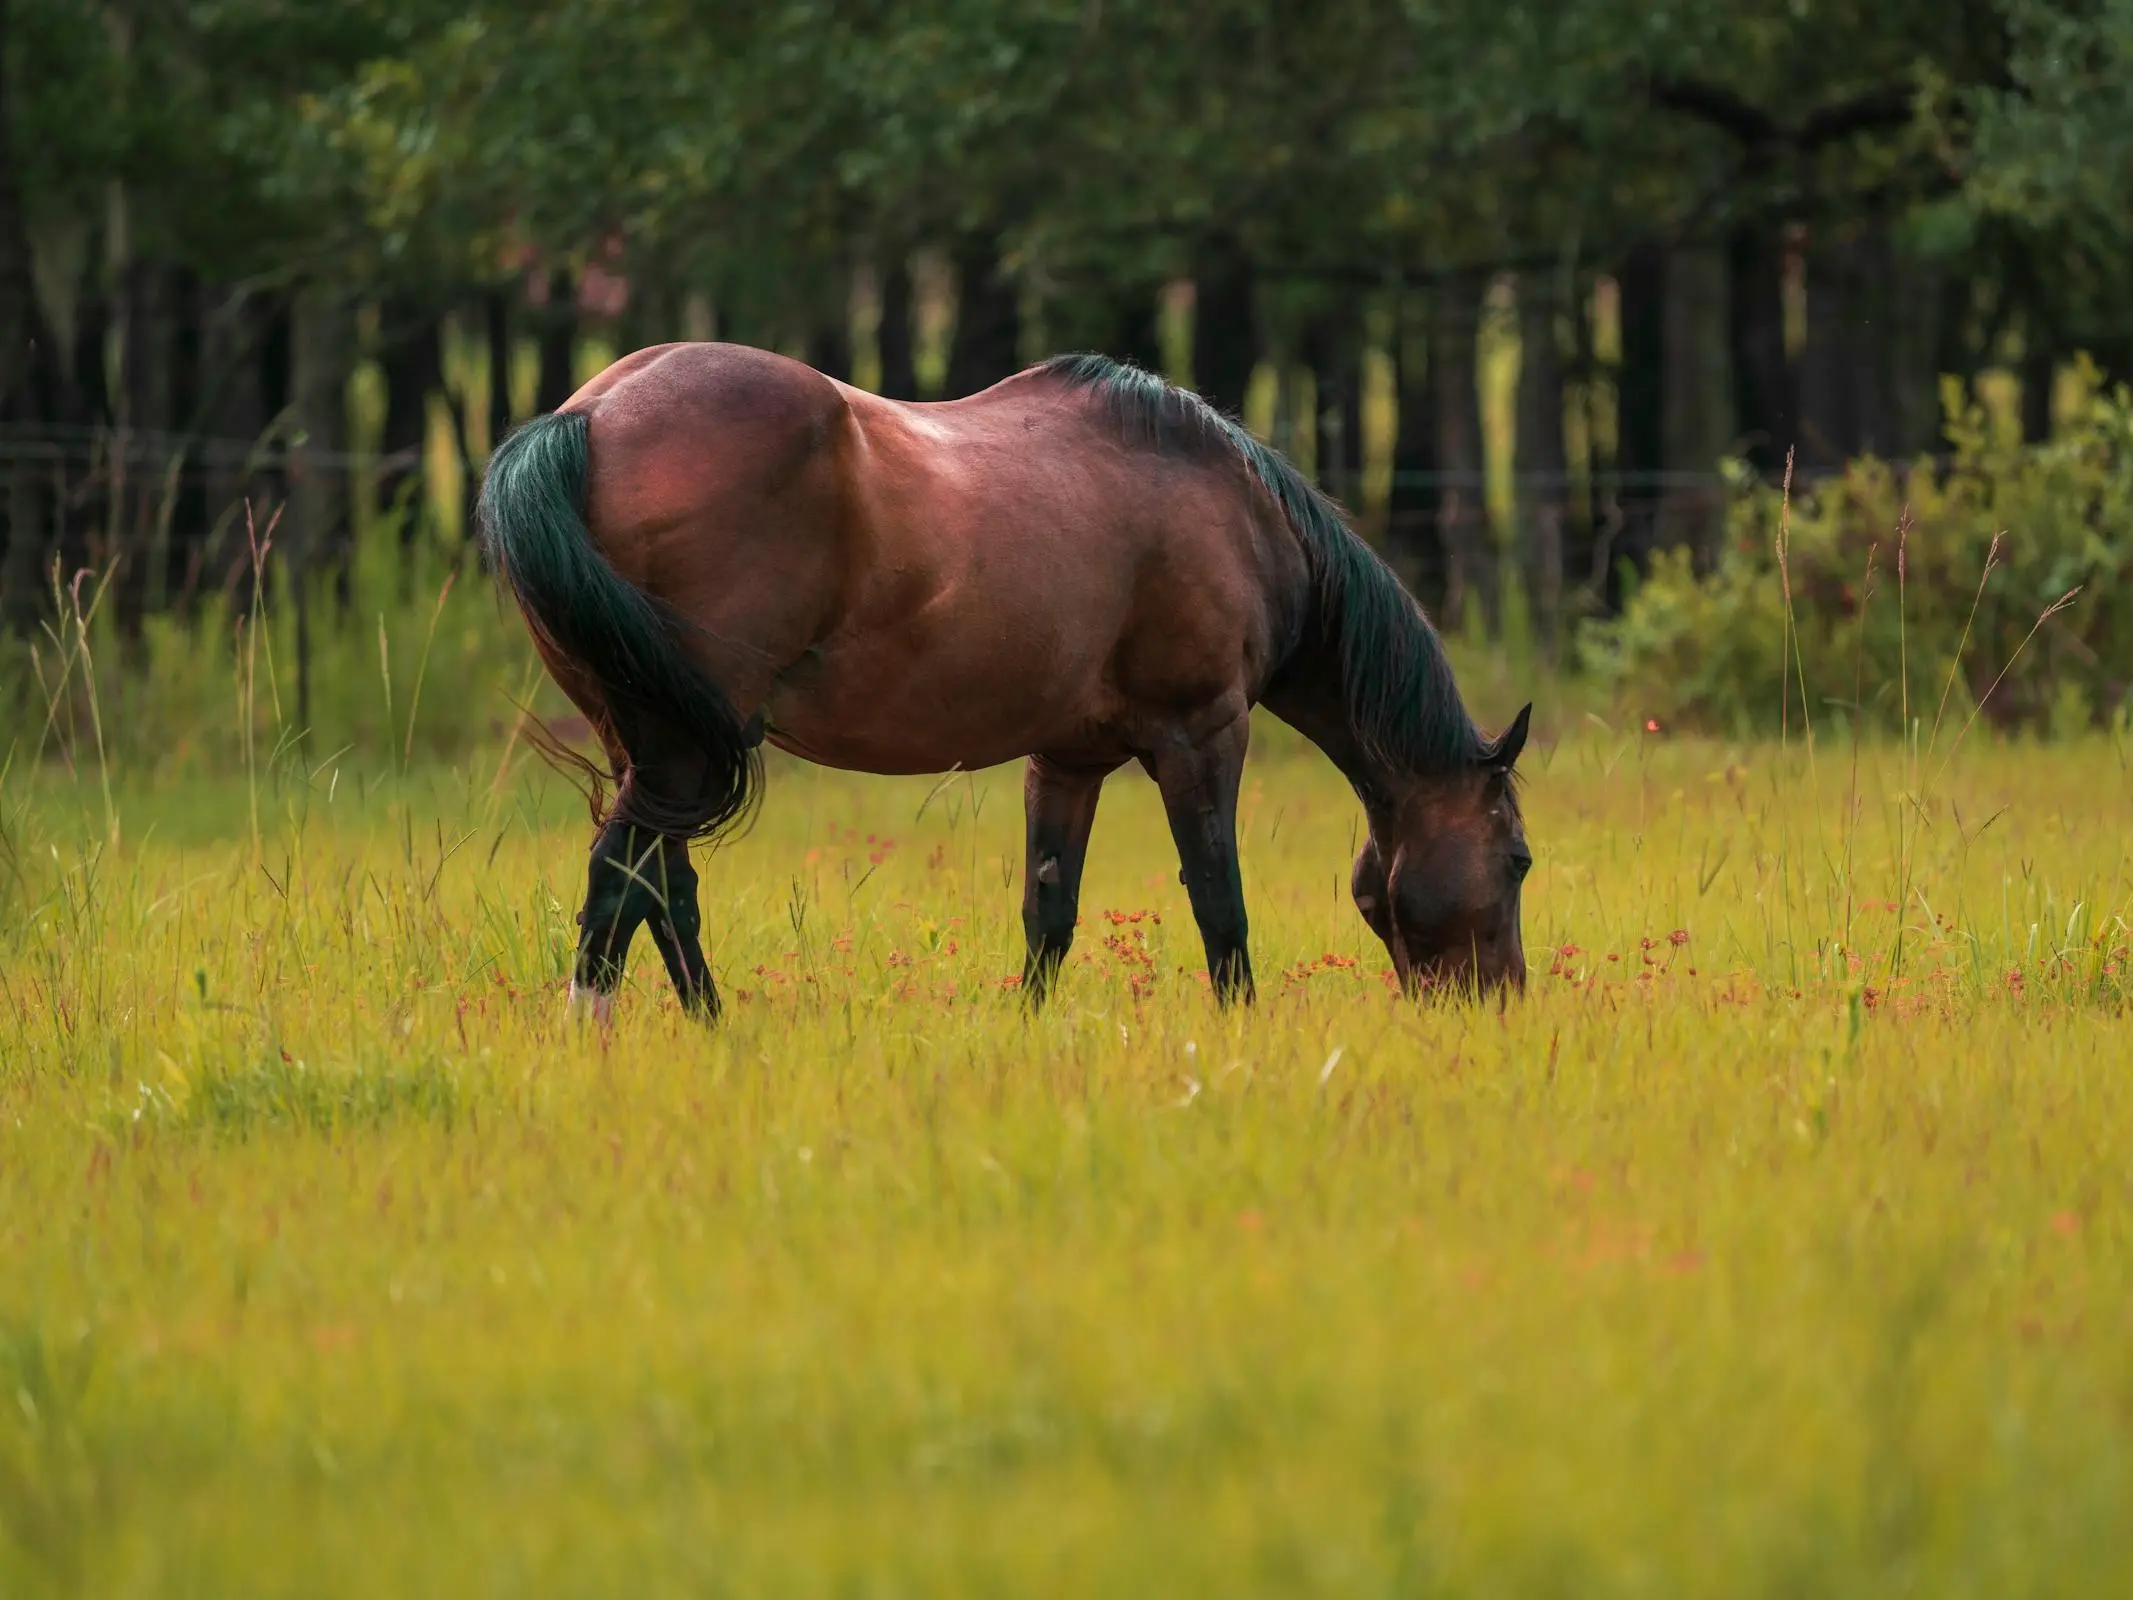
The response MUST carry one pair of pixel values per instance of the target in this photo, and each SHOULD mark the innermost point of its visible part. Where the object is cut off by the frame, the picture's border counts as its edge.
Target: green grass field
(1779, 1241)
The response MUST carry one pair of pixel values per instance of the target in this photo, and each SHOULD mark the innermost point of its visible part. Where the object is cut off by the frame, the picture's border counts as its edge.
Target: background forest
(1546, 293)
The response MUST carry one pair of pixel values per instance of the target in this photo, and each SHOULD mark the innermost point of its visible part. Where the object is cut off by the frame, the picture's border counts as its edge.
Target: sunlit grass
(1755, 1251)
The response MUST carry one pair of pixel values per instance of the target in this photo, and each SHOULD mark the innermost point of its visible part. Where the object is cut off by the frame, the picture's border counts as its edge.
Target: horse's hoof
(594, 1003)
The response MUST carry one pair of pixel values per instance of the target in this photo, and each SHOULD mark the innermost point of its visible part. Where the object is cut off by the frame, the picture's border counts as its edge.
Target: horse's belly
(894, 751)
(890, 717)
(890, 760)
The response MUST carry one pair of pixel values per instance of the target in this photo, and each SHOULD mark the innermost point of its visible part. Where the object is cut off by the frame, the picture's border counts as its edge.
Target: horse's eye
(1521, 861)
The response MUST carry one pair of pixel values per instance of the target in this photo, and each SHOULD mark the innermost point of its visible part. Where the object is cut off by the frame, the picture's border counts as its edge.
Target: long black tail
(694, 767)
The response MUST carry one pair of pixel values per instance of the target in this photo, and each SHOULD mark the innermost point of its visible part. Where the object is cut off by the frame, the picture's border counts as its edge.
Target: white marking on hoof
(591, 1002)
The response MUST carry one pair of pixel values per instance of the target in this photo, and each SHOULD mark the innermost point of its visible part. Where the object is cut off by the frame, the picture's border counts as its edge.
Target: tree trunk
(829, 351)
(1697, 399)
(1829, 418)
(496, 320)
(899, 356)
(267, 490)
(27, 391)
(321, 347)
(142, 437)
(558, 345)
(277, 364)
(988, 322)
(1136, 331)
(231, 419)
(187, 517)
(1462, 510)
(1640, 412)
(1584, 521)
(1871, 254)
(1225, 342)
(1541, 460)
(1411, 513)
(829, 343)
(412, 355)
(1355, 445)
(91, 379)
(2113, 354)
(649, 313)
(1764, 403)
(20, 314)
(144, 353)
(1917, 293)
(318, 474)
(90, 506)
(2039, 370)
(1330, 347)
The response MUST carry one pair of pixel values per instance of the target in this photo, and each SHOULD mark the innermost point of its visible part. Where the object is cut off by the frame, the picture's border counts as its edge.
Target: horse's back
(902, 586)
(1123, 571)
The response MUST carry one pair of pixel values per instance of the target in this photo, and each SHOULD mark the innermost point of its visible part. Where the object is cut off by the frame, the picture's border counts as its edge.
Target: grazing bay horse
(1083, 565)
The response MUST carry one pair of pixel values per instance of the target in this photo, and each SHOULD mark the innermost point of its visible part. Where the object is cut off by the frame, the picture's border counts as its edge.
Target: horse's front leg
(637, 877)
(1059, 807)
(1199, 781)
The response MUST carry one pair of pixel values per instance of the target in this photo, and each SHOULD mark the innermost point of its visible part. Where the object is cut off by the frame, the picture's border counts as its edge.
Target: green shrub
(1709, 649)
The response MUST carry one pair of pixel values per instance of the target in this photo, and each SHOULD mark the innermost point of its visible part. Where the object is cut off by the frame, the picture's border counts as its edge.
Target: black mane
(1395, 678)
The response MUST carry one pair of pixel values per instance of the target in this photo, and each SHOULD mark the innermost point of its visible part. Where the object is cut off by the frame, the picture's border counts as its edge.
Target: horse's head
(1439, 878)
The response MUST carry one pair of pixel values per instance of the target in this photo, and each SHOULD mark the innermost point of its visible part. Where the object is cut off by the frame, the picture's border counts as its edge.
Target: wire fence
(176, 517)
(176, 514)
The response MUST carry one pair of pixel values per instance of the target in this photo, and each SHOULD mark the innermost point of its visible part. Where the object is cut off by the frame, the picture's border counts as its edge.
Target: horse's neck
(1307, 695)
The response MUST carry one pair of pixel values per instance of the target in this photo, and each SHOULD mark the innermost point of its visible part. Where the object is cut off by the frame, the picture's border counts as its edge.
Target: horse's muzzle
(1464, 975)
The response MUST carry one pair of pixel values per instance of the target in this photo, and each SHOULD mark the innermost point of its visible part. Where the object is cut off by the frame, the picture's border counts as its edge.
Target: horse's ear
(1504, 752)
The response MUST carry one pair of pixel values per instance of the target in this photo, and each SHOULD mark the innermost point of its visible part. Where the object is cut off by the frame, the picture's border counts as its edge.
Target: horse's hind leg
(676, 926)
(608, 920)
(1199, 783)
(1059, 805)
(637, 877)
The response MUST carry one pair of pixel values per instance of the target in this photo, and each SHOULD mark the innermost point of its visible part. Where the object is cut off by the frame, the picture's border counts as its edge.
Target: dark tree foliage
(196, 201)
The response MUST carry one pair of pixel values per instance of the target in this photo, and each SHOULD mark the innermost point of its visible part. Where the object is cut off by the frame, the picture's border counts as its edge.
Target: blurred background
(1547, 294)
